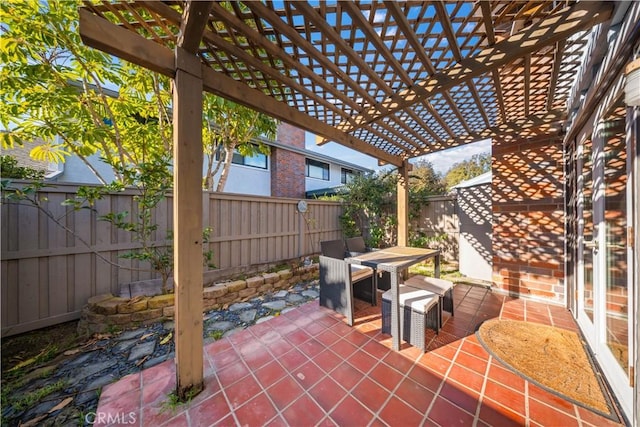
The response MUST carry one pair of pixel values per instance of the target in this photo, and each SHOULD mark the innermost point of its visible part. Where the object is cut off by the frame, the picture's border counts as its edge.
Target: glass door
(605, 309)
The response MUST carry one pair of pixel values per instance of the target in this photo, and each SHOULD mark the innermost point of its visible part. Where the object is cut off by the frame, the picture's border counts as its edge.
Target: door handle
(593, 244)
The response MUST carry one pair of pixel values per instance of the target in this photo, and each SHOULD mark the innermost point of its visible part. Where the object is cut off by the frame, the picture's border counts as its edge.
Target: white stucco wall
(248, 180)
(334, 179)
(474, 213)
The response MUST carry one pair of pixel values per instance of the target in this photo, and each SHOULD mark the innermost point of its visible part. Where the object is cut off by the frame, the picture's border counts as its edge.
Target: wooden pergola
(391, 80)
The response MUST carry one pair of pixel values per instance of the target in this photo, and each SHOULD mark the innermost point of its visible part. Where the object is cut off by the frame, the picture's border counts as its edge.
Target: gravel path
(80, 376)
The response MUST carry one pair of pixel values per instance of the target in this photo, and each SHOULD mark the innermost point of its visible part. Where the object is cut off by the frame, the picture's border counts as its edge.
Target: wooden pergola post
(403, 203)
(187, 208)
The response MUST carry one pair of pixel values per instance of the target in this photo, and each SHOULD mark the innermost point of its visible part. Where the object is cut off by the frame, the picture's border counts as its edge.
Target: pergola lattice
(392, 80)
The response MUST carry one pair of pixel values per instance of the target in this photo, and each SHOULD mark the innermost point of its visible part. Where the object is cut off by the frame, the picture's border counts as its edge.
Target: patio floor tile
(327, 393)
(257, 411)
(308, 367)
(398, 413)
(348, 411)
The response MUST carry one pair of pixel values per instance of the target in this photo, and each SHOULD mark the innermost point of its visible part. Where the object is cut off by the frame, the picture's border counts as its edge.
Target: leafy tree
(229, 127)
(56, 87)
(424, 180)
(467, 169)
(368, 204)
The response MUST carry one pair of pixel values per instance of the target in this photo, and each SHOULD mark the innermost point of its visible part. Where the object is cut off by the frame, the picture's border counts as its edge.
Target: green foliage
(174, 401)
(425, 181)
(216, 335)
(56, 89)
(370, 204)
(368, 200)
(467, 169)
(418, 239)
(9, 169)
(229, 127)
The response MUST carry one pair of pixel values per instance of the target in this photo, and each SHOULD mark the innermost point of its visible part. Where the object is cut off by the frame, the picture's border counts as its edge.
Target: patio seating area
(308, 367)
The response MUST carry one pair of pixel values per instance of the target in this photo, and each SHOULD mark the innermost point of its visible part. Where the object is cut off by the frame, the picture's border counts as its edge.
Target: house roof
(485, 178)
(392, 80)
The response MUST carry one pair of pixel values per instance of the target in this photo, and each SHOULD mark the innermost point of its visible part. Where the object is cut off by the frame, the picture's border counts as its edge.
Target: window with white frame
(347, 175)
(316, 169)
(258, 160)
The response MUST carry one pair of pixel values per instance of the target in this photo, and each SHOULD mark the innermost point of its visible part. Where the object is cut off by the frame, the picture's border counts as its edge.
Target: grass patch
(447, 270)
(279, 267)
(216, 335)
(27, 400)
(173, 401)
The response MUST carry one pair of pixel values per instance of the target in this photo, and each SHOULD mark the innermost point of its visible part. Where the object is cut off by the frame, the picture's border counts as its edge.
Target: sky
(441, 161)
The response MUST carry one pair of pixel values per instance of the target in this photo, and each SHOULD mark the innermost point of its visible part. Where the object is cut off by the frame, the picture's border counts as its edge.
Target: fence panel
(438, 218)
(48, 273)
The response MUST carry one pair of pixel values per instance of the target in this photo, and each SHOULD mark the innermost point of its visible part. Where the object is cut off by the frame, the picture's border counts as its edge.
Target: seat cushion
(439, 286)
(418, 299)
(359, 272)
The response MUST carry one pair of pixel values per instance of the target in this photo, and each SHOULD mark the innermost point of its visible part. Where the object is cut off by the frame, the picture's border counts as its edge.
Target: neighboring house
(474, 210)
(289, 170)
(21, 154)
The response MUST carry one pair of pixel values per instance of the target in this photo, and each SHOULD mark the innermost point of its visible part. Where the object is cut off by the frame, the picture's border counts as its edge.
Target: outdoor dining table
(396, 260)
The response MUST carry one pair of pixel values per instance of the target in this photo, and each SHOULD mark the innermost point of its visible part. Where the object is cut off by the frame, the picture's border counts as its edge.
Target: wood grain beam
(412, 38)
(103, 35)
(224, 86)
(552, 119)
(194, 21)
(557, 63)
(445, 22)
(270, 47)
(550, 30)
(311, 14)
(187, 222)
(487, 19)
(527, 84)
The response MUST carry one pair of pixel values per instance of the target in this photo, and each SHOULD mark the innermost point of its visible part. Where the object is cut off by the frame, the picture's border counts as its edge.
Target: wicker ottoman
(419, 309)
(444, 288)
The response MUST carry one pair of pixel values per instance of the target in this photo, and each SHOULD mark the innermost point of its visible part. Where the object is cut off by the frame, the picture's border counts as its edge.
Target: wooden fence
(439, 219)
(48, 273)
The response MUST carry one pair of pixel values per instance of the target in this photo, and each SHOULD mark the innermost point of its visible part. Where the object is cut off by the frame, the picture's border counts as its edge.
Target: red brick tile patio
(307, 367)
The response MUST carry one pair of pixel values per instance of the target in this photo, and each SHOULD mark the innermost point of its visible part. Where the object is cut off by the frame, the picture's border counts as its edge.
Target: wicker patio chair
(356, 246)
(340, 281)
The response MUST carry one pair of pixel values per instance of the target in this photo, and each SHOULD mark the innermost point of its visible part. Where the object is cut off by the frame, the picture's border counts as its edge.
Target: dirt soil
(37, 346)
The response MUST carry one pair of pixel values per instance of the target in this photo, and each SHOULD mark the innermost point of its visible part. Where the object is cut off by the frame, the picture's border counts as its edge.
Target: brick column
(287, 167)
(528, 217)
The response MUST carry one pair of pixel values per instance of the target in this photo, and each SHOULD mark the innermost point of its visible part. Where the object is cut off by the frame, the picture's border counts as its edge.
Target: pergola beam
(99, 33)
(527, 84)
(557, 63)
(194, 22)
(546, 32)
(220, 84)
(551, 119)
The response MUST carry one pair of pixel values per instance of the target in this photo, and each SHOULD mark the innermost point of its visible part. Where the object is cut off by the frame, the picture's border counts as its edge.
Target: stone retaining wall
(105, 312)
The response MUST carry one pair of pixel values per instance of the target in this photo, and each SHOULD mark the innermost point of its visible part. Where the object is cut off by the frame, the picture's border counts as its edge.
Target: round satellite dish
(302, 206)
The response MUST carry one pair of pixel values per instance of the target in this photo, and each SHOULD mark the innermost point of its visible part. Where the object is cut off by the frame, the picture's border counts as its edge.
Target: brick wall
(288, 168)
(528, 217)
